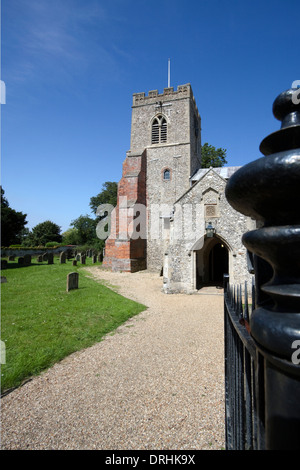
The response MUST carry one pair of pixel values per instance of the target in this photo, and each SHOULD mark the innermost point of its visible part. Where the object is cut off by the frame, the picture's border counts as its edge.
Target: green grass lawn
(41, 323)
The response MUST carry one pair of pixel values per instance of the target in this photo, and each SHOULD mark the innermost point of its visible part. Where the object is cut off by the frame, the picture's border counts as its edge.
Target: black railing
(244, 407)
(263, 347)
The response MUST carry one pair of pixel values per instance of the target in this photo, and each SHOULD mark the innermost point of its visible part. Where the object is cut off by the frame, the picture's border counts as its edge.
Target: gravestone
(77, 257)
(11, 258)
(94, 258)
(100, 257)
(74, 262)
(72, 281)
(62, 257)
(39, 259)
(27, 260)
(21, 261)
(82, 259)
(45, 257)
(3, 264)
(50, 258)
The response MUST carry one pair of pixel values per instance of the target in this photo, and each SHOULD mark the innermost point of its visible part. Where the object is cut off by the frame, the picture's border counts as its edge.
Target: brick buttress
(125, 248)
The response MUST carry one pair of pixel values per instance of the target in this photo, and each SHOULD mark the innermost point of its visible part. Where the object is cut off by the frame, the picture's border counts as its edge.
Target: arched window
(163, 130)
(159, 130)
(167, 174)
(155, 131)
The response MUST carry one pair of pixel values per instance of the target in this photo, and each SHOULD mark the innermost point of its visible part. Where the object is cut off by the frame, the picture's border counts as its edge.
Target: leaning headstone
(50, 258)
(62, 257)
(82, 259)
(45, 257)
(39, 259)
(21, 261)
(3, 264)
(74, 262)
(72, 281)
(27, 260)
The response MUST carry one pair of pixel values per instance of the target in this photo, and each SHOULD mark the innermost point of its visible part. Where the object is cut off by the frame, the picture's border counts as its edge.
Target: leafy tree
(45, 232)
(86, 229)
(210, 156)
(108, 195)
(12, 223)
(71, 237)
(83, 229)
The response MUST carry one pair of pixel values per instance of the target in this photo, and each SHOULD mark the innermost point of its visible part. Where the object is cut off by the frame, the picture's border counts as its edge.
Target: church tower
(165, 152)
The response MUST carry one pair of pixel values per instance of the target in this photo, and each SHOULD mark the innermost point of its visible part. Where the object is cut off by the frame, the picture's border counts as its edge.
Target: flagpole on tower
(169, 74)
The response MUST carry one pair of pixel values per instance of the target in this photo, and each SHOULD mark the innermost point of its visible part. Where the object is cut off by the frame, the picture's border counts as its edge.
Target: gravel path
(157, 383)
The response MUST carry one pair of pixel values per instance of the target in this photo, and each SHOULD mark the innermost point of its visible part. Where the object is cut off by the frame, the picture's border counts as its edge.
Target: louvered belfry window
(163, 130)
(155, 131)
(159, 130)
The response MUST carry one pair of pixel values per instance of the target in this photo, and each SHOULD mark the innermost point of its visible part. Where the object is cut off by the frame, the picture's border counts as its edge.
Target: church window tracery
(159, 130)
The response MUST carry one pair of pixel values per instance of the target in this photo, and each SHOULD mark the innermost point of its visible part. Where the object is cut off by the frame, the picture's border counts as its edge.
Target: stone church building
(172, 217)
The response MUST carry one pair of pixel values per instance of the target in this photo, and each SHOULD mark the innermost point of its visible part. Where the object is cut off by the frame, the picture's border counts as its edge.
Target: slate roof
(224, 171)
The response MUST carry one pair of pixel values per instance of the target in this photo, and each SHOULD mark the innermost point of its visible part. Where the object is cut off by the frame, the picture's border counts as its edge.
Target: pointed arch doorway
(212, 261)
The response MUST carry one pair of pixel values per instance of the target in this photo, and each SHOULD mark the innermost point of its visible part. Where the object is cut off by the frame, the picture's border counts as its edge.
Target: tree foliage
(12, 223)
(85, 228)
(70, 237)
(212, 157)
(45, 232)
(108, 195)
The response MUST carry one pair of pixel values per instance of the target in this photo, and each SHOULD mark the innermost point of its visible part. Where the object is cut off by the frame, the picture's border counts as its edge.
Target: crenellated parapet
(169, 94)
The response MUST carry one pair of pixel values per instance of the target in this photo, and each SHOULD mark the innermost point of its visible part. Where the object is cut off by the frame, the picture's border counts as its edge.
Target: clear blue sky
(71, 67)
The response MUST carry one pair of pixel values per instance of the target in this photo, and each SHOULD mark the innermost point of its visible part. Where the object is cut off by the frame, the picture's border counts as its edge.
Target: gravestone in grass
(82, 259)
(21, 261)
(3, 264)
(50, 258)
(74, 262)
(39, 259)
(45, 257)
(27, 260)
(72, 281)
(62, 257)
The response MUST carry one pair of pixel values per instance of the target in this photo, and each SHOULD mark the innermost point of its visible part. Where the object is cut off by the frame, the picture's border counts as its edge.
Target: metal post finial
(267, 190)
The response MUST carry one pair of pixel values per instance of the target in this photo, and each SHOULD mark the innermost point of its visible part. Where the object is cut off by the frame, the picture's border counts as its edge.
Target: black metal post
(268, 190)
